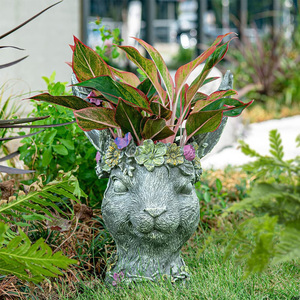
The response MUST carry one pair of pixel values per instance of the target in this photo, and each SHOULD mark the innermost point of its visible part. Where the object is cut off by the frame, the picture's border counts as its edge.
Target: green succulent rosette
(174, 155)
(150, 155)
(112, 155)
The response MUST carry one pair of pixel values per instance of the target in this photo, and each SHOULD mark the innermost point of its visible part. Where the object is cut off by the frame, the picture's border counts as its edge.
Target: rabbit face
(151, 214)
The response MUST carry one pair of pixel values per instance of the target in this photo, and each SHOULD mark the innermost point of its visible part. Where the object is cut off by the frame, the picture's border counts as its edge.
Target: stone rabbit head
(150, 212)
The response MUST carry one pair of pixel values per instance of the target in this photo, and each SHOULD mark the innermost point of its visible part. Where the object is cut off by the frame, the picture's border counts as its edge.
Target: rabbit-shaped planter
(150, 206)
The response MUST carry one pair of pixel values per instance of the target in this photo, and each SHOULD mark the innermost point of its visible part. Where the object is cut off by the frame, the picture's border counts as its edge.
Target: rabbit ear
(207, 141)
(98, 138)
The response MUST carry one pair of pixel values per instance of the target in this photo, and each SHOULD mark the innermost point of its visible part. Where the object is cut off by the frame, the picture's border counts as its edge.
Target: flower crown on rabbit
(123, 153)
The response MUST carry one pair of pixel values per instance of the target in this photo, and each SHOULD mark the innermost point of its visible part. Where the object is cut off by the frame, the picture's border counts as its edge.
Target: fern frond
(247, 150)
(276, 144)
(31, 262)
(288, 247)
(41, 200)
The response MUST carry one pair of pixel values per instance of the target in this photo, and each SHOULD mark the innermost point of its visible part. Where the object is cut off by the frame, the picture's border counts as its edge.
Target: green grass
(212, 278)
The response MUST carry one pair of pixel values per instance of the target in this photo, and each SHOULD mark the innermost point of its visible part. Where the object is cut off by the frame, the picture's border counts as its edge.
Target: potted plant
(150, 136)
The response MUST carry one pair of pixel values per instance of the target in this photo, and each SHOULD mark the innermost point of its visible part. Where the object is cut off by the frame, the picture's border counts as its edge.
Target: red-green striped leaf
(87, 63)
(129, 119)
(156, 130)
(201, 103)
(148, 67)
(221, 94)
(213, 59)
(147, 88)
(160, 111)
(127, 77)
(161, 67)
(67, 101)
(113, 90)
(95, 118)
(184, 71)
(203, 122)
(231, 107)
(210, 79)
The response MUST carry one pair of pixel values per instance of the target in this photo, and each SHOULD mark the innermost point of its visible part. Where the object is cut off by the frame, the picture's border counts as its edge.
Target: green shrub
(272, 234)
(61, 148)
(18, 256)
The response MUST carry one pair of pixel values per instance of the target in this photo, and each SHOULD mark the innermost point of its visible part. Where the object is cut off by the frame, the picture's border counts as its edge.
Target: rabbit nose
(155, 212)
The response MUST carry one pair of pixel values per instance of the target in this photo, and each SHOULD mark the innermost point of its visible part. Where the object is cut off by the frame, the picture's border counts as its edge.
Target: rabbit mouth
(156, 236)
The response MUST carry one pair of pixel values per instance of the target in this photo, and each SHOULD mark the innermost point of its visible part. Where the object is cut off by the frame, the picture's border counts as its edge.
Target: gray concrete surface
(257, 136)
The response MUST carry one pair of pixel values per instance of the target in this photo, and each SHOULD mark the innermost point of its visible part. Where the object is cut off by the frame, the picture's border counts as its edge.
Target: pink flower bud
(98, 156)
(189, 152)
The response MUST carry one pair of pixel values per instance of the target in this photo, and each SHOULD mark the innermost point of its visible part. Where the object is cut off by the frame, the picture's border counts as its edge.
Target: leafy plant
(145, 109)
(61, 148)
(216, 190)
(6, 124)
(30, 262)
(18, 256)
(272, 235)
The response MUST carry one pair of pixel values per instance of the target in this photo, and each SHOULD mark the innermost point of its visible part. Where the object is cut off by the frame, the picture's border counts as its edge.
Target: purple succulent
(94, 100)
(98, 156)
(189, 152)
(123, 142)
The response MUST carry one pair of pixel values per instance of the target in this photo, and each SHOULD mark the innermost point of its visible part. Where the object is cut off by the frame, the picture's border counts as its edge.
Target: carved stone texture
(150, 216)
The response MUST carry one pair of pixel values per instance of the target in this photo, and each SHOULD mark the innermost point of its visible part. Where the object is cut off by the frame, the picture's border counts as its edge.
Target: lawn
(211, 278)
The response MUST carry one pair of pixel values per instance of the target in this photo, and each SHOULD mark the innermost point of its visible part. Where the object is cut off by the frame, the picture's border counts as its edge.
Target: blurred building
(161, 22)
(46, 40)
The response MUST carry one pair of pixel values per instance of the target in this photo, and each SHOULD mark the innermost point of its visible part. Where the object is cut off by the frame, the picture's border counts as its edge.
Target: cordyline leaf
(147, 88)
(160, 110)
(21, 120)
(148, 67)
(203, 122)
(231, 107)
(199, 96)
(66, 101)
(127, 77)
(87, 63)
(95, 118)
(211, 98)
(182, 102)
(213, 59)
(12, 62)
(161, 67)
(156, 130)
(113, 90)
(221, 94)
(184, 71)
(129, 119)
(210, 79)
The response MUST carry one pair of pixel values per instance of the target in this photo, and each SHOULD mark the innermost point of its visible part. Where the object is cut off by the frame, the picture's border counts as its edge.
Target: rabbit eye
(186, 189)
(119, 186)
